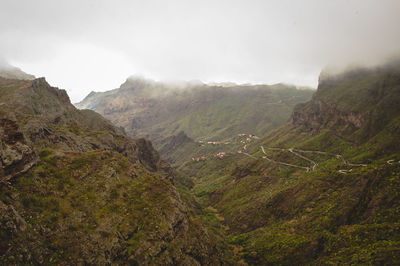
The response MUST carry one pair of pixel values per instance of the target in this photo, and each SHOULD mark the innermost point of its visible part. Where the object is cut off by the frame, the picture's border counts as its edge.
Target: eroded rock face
(318, 115)
(77, 190)
(149, 156)
(172, 143)
(16, 157)
(354, 105)
(47, 117)
(12, 224)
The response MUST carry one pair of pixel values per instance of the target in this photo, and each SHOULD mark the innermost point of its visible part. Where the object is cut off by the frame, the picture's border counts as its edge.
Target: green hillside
(158, 110)
(76, 190)
(325, 190)
(321, 189)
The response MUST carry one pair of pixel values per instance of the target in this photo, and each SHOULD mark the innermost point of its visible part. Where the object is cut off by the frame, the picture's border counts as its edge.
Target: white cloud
(81, 68)
(95, 44)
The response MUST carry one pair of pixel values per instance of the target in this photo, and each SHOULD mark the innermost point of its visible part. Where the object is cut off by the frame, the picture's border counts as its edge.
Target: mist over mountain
(10, 72)
(158, 110)
(254, 132)
(262, 174)
(83, 47)
(321, 189)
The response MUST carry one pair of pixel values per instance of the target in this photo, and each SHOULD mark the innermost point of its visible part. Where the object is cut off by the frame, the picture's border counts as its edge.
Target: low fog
(95, 45)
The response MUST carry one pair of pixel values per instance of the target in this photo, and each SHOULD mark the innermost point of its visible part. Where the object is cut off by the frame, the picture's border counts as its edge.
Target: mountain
(160, 110)
(76, 190)
(10, 72)
(356, 104)
(323, 189)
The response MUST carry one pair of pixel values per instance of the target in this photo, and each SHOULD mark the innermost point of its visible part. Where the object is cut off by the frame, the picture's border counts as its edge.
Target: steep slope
(322, 189)
(355, 104)
(76, 190)
(10, 72)
(160, 110)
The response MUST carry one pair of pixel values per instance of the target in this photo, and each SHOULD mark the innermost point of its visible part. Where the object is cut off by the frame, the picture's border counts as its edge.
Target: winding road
(314, 167)
(314, 164)
(283, 163)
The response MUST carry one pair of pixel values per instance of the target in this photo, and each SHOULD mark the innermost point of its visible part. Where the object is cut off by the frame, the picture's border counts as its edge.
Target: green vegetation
(345, 212)
(205, 112)
(88, 194)
(279, 213)
(322, 189)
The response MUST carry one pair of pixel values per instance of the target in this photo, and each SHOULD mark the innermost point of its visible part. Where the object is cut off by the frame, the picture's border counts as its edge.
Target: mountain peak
(355, 103)
(10, 72)
(136, 82)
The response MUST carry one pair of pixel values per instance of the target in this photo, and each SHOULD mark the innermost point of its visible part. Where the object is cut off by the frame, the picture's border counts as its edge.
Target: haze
(82, 46)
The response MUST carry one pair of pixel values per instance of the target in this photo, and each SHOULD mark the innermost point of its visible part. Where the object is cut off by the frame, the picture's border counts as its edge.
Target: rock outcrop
(74, 189)
(173, 143)
(16, 157)
(355, 104)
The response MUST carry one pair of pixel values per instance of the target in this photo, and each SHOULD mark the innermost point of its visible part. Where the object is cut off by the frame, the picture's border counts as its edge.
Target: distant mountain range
(158, 111)
(263, 175)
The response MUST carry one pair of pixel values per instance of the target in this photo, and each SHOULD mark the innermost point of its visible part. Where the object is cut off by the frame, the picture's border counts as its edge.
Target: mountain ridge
(158, 111)
(10, 72)
(75, 189)
(321, 189)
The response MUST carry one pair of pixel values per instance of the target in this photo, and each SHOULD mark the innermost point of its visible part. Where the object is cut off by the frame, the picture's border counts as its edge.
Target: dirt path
(296, 152)
(305, 158)
(339, 156)
(314, 167)
(315, 164)
(283, 163)
(249, 155)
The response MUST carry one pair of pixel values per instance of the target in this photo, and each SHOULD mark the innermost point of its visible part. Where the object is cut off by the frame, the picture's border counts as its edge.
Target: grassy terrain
(345, 212)
(208, 112)
(95, 196)
(98, 195)
(277, 213)
(79, 191)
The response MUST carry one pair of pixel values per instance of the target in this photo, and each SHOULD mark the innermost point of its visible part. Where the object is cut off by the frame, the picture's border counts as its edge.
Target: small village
(244, 139)
(199, 159)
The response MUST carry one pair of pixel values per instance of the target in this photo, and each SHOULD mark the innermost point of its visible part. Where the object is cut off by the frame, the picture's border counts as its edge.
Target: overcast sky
(89, 45)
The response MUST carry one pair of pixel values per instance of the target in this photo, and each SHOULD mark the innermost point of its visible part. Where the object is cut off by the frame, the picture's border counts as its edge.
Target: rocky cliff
(77, 190)
(355, 104)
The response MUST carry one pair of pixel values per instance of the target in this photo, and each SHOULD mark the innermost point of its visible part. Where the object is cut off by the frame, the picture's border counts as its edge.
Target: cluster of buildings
(248, 137)
(198, 159)
(245, 138)
(221, 154)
